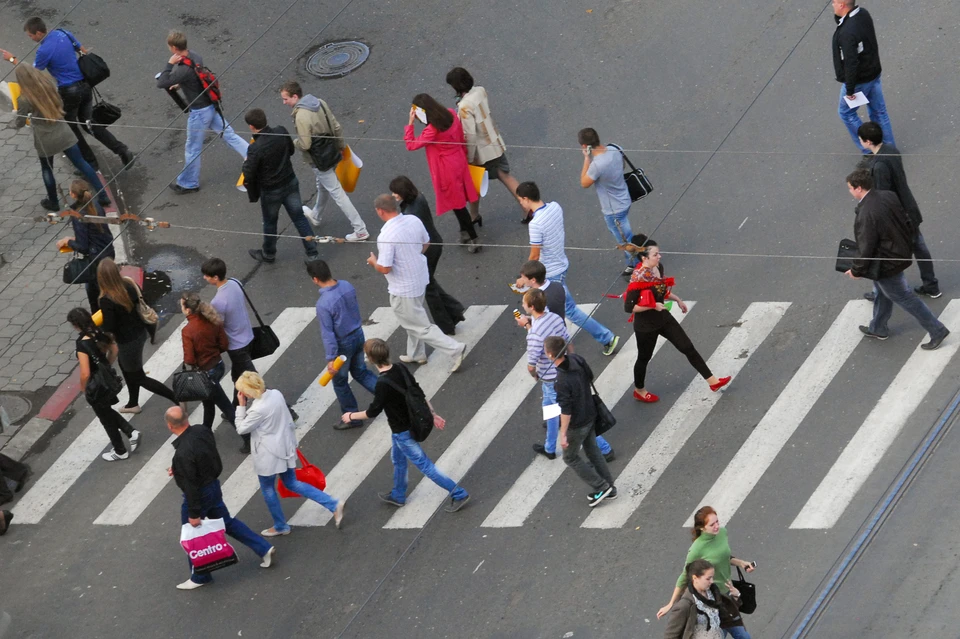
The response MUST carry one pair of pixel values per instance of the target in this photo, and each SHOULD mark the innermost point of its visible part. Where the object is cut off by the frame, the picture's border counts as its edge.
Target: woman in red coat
(447, 159)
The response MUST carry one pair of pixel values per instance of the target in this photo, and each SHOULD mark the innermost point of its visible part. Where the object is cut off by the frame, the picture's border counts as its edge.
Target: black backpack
(104, 382)
(418, 410)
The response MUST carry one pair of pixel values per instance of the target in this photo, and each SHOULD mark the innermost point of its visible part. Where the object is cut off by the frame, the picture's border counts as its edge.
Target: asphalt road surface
(732, 107)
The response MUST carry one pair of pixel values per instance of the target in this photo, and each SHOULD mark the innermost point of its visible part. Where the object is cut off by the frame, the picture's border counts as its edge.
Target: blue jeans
(351, 347)
(289, 197)
(895, 290)
(737, 632)
(922, 253)
(289, 478)
(553, 424)
(404, 448)
(598, 331)
(212, 507)
(198, 123)
(218, 399)
(877, 109)
(73, 154)
(623, 234)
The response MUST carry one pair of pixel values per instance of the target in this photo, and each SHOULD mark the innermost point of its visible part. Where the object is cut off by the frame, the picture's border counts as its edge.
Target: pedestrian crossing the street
(467, 448)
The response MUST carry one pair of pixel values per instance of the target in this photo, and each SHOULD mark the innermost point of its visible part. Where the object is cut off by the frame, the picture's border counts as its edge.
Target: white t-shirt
(400, 245)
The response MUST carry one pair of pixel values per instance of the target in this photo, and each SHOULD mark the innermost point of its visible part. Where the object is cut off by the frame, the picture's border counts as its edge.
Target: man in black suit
(883, 230)
(886, 168)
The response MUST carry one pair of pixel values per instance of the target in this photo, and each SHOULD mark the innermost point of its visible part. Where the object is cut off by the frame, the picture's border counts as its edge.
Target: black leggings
(136, 379)
(673, 333)
(114, 423)
(466, 224)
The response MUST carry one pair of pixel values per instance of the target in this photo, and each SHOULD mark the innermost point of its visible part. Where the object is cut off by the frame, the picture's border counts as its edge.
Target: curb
(21, 443)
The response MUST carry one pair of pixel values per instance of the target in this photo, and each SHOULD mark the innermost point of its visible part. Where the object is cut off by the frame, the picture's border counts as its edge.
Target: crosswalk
(500, 398)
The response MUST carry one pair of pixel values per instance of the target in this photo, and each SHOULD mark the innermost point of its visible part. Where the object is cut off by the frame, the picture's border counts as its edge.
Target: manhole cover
(17, 407)
(337, 59)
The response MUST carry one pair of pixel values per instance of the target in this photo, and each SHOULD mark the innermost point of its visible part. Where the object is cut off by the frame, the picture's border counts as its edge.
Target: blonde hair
(40, 90)
(251, 385)
(177, 40)
(112, 285)
(196, 306)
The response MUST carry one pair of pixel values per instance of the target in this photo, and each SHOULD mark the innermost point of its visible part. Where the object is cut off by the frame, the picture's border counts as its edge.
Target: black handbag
(191, 386)
(93, 68)
(79, 270)
(748, 593)
(638, 184)
(325, 151)
(847, 252)
(104, 382)
(265, 341)
(104, 113)
(605, 419)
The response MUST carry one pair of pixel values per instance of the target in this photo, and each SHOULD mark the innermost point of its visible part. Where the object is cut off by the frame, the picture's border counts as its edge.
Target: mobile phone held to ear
(753, 564)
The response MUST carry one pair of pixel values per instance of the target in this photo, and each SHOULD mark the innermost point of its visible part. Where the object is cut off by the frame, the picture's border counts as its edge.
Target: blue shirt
(232, 306)
(547, 325)
(338, 314)
(57, 55)
(546, 231)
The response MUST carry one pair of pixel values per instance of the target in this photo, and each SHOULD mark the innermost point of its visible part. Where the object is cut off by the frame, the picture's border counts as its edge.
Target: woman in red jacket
(447, 158)
(203, 341)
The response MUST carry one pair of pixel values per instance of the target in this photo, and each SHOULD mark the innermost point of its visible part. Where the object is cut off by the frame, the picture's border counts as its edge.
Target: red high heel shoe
(723, 382)
(649, 398)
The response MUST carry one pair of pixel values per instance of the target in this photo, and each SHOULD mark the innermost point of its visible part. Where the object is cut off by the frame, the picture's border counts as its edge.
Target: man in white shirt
(401, 243)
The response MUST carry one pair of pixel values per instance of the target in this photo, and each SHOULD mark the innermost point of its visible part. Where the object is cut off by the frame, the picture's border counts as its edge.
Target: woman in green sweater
(710, 543)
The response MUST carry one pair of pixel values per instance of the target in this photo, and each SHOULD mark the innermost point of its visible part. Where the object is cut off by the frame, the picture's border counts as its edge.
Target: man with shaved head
(196, 469)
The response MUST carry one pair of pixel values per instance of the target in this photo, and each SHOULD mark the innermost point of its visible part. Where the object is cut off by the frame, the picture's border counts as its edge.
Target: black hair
(860, 178)
(589, 137)
(320, 270)
(256, 118)
(871, 132)
(35, 25)
(81, 319)
(460, 79)
(534, 270)
(214, 267)
(405, 188)
(529, 190)
(437, 114)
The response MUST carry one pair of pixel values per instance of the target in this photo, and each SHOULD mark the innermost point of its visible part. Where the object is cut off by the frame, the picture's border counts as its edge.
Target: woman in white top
(264, 415)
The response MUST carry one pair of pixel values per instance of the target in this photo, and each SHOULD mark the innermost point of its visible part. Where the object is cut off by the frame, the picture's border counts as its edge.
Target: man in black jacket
(577, 417)
(883, 230)
(196, 468)
(269, 177)
(886, 168)
(856, 62)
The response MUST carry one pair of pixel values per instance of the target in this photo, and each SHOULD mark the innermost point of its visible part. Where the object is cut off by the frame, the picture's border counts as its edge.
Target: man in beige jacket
(485, 146)
(313, 118)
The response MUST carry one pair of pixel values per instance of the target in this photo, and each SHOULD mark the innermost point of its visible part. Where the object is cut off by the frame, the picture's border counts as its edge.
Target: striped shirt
(546, 231)
(400, 244)
(541, 328)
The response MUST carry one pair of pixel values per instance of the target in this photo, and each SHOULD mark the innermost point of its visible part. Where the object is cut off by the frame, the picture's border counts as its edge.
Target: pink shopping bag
(207, 546)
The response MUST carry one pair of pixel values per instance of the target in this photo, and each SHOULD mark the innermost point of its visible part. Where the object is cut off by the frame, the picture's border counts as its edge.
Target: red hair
(700, 519)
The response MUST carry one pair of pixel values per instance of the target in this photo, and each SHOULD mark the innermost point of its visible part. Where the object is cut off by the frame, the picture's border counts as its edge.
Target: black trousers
(114, 423)
(445, 309)
(14, 471)
(240, 362)
(466, 224)
(72, 96)
(673, 333)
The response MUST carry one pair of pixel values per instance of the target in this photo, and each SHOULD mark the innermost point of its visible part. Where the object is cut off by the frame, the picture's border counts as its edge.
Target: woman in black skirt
(645, 299)
(118, 301)
(446, 311)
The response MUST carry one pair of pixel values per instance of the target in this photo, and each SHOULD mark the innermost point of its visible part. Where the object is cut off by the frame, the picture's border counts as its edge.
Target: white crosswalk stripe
(788, 411)
(879, 429)
(375, 441)
(542, 473)
(87, 447)
(683, 419)
(311, 405)
(137, 495)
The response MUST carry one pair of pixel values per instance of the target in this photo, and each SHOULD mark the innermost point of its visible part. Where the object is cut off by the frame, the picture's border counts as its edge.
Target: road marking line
(879, 429)
(152, 477)
(532, 485)
(686, 415)
(778, 425)
(47, 490)
(375, 441)
(243, 483)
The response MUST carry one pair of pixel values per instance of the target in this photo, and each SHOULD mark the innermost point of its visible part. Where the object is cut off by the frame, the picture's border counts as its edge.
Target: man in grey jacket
(313, 118)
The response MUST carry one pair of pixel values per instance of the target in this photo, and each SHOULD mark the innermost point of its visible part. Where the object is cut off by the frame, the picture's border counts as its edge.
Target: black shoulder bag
(92, 67)
(191, 385)
(748, 593)
(324, 150)
(637, 181)
(265, 341)
(605, 419)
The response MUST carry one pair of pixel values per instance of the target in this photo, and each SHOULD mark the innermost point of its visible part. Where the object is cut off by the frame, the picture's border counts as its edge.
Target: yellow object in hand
(337, 365)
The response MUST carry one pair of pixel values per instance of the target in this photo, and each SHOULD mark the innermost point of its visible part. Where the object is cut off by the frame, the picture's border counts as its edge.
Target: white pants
(412, 316)
(328, 186)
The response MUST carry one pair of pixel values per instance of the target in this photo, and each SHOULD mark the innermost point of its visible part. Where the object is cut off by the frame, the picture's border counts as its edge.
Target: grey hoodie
(310, 115)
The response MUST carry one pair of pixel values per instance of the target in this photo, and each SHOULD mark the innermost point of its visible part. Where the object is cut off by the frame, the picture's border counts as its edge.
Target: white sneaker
(357, 236)
(458, 359)
(273, 532)
(189, 584)
(114, 456)
(268, 558)
(406, 359)
(312, 216)
(134, 441)
(338, 515)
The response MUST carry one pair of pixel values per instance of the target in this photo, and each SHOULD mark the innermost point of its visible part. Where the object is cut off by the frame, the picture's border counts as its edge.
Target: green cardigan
(716, 550)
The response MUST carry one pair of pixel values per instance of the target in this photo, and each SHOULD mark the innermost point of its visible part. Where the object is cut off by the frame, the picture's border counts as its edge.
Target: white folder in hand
(859, 99)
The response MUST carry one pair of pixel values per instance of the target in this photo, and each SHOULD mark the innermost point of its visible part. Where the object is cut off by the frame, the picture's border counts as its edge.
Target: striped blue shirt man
(546, 231)
(541, 328)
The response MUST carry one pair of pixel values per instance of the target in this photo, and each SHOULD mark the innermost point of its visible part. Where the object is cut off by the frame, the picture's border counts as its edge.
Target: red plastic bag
(308, 474)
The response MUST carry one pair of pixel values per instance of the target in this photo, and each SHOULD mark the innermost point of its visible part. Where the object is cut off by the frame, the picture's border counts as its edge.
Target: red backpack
(209, 82)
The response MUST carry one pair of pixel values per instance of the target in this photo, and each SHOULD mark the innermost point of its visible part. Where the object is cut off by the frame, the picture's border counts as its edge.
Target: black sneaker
(613, 494)
(128, 158)
(866, 331)
(348, 425)
(935, 342)
(181, 190)
(245, 449)
(294, 414)
(540, 450)
(609, 457)
(388, 498)
(49, 204)
(870, 296)
(456, 504)
(596, 498)
(923, 290)
(258, 255)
